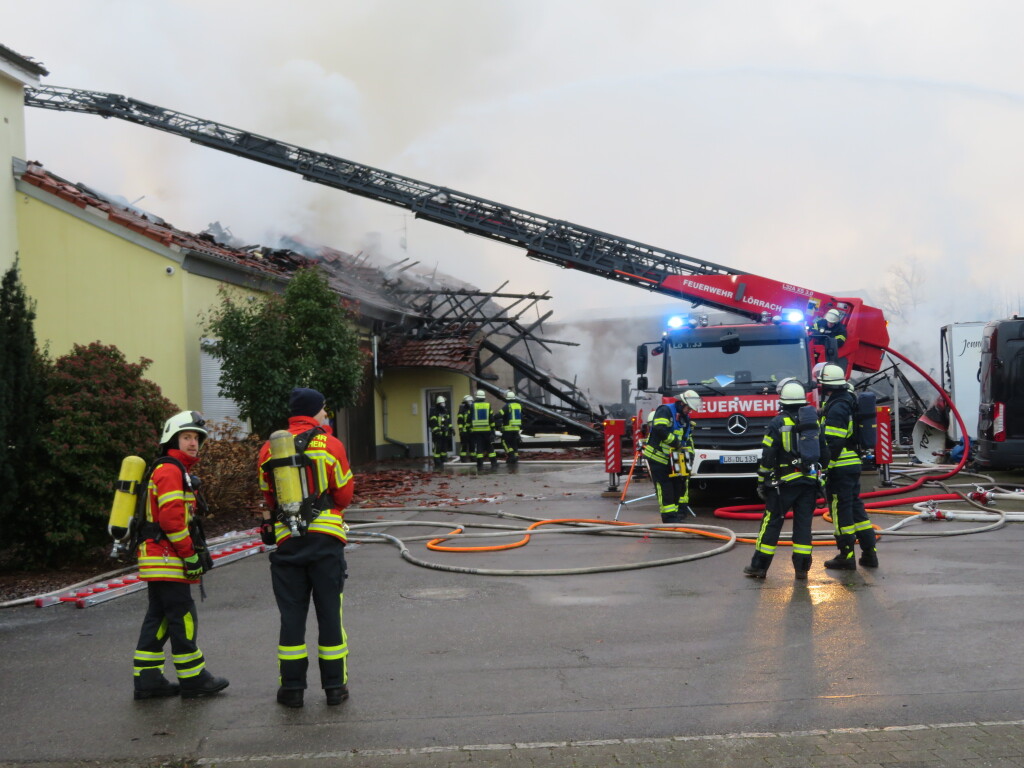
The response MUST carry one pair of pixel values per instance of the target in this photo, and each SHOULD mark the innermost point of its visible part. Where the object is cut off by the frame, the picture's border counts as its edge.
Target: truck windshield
(755, 364)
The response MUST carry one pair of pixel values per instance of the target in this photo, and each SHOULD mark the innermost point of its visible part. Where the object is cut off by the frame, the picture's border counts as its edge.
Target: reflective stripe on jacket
(171, 505)
(330, 472)
(512, 417)
(778, 452)
(837, 426)
(480, 420)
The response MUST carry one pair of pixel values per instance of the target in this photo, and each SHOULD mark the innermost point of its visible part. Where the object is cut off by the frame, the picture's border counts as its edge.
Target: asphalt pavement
(915, 663)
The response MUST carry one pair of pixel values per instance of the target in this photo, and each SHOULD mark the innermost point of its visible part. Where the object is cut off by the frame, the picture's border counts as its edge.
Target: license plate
(748, 458)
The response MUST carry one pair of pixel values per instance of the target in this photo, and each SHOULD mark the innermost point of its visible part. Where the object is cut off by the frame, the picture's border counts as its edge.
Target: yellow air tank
(126, 493)
(287, 479)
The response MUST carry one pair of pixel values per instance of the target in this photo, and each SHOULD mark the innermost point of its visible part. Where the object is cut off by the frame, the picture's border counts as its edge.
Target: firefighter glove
(193, 568)
(267, 535)
(762, 491)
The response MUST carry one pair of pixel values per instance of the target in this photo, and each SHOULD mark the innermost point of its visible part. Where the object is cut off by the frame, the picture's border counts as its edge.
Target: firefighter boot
(438, 462)
(801, 565)
(494, 463)
(671, 518)
(151, 684)
(758, 568)
(291, 697)
(844, 560)
(868, 555)
(203, 684)
(336, 695)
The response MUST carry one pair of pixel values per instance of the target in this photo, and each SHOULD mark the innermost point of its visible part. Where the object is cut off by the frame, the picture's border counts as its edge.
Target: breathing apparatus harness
(296, 506)
(130, 533)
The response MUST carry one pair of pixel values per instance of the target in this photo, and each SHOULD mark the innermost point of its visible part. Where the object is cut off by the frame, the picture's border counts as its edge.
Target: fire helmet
(511, 395)
(782, 383)
(831, 375)
(186, 421)
(467, 399)
(792, 393)
(690, 398)
(480, 394)
(833, 316)
(440, 400)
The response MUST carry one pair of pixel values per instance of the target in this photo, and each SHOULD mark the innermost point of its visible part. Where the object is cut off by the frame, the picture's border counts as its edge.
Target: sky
(833, 145)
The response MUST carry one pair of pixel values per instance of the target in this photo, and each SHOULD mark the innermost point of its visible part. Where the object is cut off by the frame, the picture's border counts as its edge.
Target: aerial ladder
(703, 283)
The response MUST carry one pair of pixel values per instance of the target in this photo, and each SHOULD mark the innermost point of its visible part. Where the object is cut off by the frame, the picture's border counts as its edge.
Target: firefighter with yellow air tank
(307, 482)
(169, 563)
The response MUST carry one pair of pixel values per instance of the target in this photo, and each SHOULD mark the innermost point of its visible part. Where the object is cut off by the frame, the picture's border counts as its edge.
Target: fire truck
(734, 367)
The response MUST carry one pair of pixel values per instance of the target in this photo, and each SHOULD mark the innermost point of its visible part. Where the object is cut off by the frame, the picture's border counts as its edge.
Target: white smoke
(818, 143)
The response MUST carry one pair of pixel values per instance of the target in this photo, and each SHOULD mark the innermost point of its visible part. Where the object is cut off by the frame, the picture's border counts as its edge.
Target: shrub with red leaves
(100, 410)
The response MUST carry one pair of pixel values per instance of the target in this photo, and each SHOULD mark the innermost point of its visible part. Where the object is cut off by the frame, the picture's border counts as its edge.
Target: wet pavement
(691, 664)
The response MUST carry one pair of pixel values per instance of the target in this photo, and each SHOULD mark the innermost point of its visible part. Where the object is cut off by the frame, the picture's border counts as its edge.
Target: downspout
(407, 452)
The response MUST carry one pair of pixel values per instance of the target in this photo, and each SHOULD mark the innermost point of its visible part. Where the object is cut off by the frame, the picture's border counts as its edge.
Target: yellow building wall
(12, 144)
(93, 285)
(401, 404)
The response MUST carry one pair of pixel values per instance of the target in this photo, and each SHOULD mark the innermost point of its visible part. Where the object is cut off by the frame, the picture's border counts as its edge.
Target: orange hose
(434, 544)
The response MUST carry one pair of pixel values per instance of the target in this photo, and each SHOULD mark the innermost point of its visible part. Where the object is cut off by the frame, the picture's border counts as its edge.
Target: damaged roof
(456, 353)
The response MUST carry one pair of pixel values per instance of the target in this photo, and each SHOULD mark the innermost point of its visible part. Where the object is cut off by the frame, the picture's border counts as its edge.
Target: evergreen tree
(304, 338)
(23, 383)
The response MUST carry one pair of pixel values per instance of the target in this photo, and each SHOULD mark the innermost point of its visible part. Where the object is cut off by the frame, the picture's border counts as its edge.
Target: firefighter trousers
(442, 444)
(170, 615)
(302, 567)
(849, 518)
(798, 496)
(665, 486)
(483, 446)
(510, 440)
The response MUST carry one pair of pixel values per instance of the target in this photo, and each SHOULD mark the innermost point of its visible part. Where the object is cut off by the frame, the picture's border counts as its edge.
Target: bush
(23, 382)
(101, 409)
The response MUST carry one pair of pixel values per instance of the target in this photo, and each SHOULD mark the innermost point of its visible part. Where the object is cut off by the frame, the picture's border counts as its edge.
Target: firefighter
(785, 483)
(441, 431)
(169, 564)
(462, 421)
(669, 453)
(313, 563)
(482, 426)
(842, 483)
(831, 325)
(511, 417)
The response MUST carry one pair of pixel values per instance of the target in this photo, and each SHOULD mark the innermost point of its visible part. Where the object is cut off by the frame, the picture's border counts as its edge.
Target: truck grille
(715, 434)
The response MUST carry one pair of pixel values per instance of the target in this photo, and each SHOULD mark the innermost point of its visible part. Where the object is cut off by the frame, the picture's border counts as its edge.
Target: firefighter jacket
(170, 505)
(779, 456)
(481, 418)
(511, 417)
(440, 422)
(329, 472)
(837, 331)
(668, 435)
(464, 417)
(837, 427)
